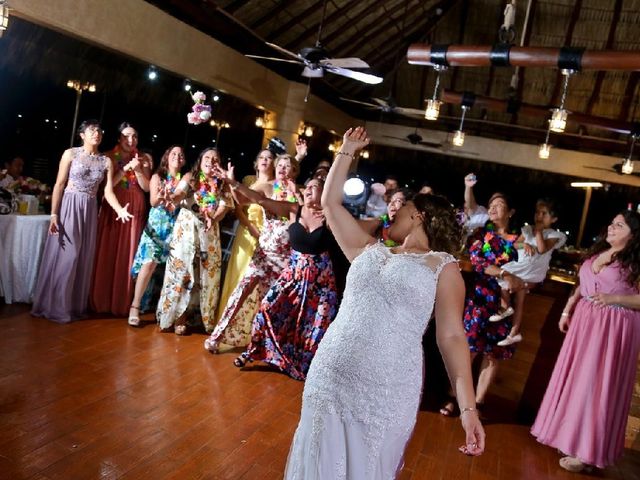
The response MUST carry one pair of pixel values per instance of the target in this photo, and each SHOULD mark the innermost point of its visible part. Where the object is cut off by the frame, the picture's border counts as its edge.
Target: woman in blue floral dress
(153, 248)
(490, 247)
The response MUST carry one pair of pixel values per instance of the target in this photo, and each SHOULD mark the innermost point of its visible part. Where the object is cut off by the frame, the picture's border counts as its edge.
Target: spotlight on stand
(355, 196)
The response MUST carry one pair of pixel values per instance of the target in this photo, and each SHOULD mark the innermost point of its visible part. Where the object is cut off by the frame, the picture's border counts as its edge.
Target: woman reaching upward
(358, 414)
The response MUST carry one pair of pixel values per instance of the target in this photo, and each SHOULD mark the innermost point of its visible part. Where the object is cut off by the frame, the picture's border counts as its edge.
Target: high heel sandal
(134, 320)
(241, 360)
(211, 345)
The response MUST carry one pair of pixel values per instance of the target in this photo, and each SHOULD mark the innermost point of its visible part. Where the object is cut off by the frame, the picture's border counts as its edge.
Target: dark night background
(37, 114)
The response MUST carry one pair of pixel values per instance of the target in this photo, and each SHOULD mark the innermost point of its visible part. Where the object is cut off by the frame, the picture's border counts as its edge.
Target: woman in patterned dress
(251, 219)
(298, 308)
(192, 274)
(490, 247)
(153, 248)
(269, 259)
(112, 287)
(62, 291)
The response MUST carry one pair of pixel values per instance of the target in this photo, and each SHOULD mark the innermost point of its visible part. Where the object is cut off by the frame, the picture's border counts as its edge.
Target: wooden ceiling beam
(575, 15)
(233, 7)
(597, 86)
(328, 21)
(627, 99)
(271, 13)
(354, 42)
(296, 20)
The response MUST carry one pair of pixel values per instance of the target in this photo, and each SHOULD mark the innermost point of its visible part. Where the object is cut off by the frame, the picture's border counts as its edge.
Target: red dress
(112, 286)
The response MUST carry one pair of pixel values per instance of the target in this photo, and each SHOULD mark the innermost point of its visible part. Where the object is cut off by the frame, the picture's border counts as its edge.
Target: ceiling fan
(316, 61)
(416, 139)
(388, 106)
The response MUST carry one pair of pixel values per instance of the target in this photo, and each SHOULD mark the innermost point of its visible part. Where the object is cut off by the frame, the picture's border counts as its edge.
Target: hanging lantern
(544, 151)
(627, 164)
(433, 104)
(559, 115)
(458, 135)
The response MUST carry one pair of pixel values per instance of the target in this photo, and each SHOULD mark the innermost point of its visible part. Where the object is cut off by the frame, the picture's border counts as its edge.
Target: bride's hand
(475, 436)
(355, 139)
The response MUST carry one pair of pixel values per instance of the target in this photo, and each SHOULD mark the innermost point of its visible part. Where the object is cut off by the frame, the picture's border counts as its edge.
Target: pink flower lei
(128, 178)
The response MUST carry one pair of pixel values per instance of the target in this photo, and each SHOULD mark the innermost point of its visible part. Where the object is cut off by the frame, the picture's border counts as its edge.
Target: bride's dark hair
(440, 223)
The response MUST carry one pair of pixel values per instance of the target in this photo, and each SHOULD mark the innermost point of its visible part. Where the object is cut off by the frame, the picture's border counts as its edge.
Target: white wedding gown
(362, 392)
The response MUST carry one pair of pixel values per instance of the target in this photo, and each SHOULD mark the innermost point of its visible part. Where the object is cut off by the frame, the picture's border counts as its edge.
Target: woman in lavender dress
(64, 280)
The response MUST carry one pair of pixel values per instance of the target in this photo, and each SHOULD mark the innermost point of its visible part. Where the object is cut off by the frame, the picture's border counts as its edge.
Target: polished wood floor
(99, 400)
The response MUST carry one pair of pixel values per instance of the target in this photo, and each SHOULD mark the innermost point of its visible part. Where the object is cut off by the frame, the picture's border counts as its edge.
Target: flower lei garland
(207, 195)
(386, 223)
(492, 243)
(200, 111)
(128, 178)
(283, 193)
(170, 184)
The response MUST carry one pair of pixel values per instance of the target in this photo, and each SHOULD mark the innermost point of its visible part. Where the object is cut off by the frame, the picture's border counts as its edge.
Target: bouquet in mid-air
(200, 112)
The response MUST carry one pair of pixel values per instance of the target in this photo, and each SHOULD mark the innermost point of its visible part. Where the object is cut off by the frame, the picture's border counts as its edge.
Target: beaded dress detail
(363, 389)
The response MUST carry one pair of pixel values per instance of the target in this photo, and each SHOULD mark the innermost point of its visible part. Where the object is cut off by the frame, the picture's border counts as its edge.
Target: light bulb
(458, 138)
(332, 147)
(365, 154)
(545, 150)
(433, 109)
(627, 166)
(259, 122)
(558, 120)
(308, 131)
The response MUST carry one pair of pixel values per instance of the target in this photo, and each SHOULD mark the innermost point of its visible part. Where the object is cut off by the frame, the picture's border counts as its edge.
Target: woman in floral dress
(269, 259)
(112, 287)
(251, 220)
(301, 304)
(490, 247)
(192, 273)
(153, 248)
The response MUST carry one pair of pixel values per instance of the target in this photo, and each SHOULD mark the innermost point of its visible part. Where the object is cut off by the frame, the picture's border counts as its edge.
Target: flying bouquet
(200, 112)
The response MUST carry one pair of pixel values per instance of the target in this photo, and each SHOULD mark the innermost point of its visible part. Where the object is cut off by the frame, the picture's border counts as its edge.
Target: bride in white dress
(362, 393)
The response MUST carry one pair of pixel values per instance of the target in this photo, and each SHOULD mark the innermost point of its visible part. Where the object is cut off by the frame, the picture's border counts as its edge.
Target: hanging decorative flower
(200, 112)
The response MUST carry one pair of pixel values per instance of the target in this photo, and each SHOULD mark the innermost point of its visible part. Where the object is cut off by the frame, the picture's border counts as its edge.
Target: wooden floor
(97, 399)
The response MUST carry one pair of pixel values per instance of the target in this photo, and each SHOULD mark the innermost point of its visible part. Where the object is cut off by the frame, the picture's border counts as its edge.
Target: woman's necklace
(206, 194)
(128, 178)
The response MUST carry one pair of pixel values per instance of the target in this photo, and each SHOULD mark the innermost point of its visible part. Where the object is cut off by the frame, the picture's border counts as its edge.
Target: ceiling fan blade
(285, 51)
(259, 57)
(360, 76)
(366, 104)
(345, 62)
(381, 102)
(410, 112)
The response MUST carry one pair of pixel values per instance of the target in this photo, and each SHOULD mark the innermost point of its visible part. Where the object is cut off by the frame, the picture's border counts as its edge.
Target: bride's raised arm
(350, 236)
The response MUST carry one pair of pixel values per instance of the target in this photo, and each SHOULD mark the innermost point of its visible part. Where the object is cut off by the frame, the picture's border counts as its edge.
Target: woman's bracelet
(54, 215)
(346, 154)
(565, 314)
(468, 409)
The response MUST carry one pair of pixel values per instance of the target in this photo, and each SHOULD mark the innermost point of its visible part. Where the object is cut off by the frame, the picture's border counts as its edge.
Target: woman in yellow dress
(244, 244)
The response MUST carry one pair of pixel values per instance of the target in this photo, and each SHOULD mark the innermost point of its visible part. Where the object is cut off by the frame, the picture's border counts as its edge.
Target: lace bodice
(86, 172)
(368, 367)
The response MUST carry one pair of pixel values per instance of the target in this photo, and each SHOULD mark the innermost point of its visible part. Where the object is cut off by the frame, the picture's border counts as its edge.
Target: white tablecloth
(22, 240)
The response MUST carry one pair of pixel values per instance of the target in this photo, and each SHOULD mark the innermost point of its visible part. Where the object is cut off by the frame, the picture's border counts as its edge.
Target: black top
(313, 243)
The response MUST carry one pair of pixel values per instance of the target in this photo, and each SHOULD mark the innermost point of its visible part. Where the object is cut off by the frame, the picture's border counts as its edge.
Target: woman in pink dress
(585, 408)
(113, 287)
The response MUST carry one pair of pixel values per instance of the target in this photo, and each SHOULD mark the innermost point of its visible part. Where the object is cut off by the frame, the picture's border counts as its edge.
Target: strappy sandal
(241, 360)
(134, 320)
(449, 409)
(211, 345)
(180, 330)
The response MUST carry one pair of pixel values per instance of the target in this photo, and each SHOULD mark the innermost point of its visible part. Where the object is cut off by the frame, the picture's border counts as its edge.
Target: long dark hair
(629, 256)
(163, 167)
(195, 169)
(86, 124)
(440, 222)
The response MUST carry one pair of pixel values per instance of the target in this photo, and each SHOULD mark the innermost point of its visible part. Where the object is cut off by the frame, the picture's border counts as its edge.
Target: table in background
(22, 240)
